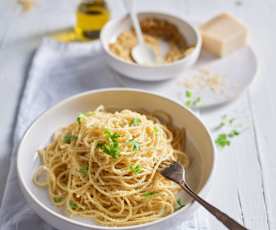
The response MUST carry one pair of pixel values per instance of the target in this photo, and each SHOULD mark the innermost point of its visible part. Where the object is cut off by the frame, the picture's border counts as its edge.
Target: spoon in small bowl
(175, 172)
(142, 53)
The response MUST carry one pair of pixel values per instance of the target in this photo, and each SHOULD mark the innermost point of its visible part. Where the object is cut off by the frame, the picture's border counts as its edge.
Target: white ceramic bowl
(150, 73)
(199, 147)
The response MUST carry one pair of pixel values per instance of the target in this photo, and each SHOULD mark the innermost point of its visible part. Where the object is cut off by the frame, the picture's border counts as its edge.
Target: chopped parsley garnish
(191, 101)
(58, 199)
(112, 146)
(135, 122)
(233, 133)
(73, 205)
(135, 145)
(135, 169)
(180, 204)
(84, 170)
(69, 138)
(109, 135)
(188, 94)
(81, 118)
(225, 121)
(229, 124)
(149, 194)
(223, 139)
(111, 149)
(188, 103)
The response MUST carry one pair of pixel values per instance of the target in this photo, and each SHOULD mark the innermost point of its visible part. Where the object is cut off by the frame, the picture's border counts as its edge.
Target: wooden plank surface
(244, 182)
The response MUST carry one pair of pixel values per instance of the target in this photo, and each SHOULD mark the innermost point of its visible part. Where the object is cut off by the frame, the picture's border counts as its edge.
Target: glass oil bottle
(91, 16)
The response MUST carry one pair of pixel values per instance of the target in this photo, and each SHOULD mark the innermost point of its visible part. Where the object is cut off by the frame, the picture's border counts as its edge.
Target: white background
(245, 179)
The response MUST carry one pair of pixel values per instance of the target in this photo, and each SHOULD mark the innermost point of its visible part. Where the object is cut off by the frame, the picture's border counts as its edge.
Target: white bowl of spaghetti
(93, 160)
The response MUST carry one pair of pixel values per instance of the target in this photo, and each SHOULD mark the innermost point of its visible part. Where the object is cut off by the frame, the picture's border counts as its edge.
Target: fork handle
(221, 216)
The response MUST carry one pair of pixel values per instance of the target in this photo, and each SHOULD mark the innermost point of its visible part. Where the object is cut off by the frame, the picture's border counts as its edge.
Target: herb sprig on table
(227, 131)
(225, 121)
(224, 139)
(190, 100)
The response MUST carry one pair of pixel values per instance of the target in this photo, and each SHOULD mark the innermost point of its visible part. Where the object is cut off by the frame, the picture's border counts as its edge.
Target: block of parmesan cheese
(223, 34)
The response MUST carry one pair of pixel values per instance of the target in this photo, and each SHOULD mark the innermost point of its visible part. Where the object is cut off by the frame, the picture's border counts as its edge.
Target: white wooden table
(245, 178)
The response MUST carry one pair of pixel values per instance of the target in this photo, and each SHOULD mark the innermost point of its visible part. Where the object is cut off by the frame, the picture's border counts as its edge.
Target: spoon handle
(221, 216)
(130, 6)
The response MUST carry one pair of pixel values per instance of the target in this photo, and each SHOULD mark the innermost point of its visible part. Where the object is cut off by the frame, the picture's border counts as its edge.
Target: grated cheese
(204, 78)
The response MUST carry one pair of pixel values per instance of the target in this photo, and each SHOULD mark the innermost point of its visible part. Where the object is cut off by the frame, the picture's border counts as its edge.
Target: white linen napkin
(58, 71)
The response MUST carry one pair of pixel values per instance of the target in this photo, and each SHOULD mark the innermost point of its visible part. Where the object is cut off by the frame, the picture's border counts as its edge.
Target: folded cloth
(57, 71)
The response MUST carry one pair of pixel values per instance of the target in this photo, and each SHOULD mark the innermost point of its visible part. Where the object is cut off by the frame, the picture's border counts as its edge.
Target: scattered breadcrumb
(26, 5)
(204, 78)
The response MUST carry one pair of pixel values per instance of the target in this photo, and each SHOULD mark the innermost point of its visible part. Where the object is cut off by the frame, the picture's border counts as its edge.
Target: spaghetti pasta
(104, 166)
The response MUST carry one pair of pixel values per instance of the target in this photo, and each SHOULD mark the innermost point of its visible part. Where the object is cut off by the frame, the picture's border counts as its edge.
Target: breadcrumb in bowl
(154, 31)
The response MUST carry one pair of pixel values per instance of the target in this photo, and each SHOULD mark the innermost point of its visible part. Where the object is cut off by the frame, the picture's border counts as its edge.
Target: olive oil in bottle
(91, 16)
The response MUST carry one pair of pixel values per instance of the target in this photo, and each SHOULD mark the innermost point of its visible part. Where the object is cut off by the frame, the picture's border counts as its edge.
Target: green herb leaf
(73, 205)
(100, 145)
(155, 130)
(112, 149)
(135, 145)
(135, 169)
(135, 122)
(219, 126)
(58, 199)
(225, 121)
(149, 194)
(84, 170)
(190, 101)
(69, 138)
(196, 101)
(81, 117)
(109, 135)
(231, 120)
(112, 146)
(180, 204)
(189, 94)
(233, 133)
(222, 140)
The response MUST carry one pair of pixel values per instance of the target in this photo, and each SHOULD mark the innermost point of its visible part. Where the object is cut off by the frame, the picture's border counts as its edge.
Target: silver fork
(176, 173)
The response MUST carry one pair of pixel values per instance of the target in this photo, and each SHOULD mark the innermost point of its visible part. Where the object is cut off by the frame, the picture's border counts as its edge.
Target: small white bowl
(199, 147)
(115, 27)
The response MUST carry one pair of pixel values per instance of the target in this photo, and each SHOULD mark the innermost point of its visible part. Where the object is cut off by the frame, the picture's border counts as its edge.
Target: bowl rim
(198, 43)
(27, 191)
